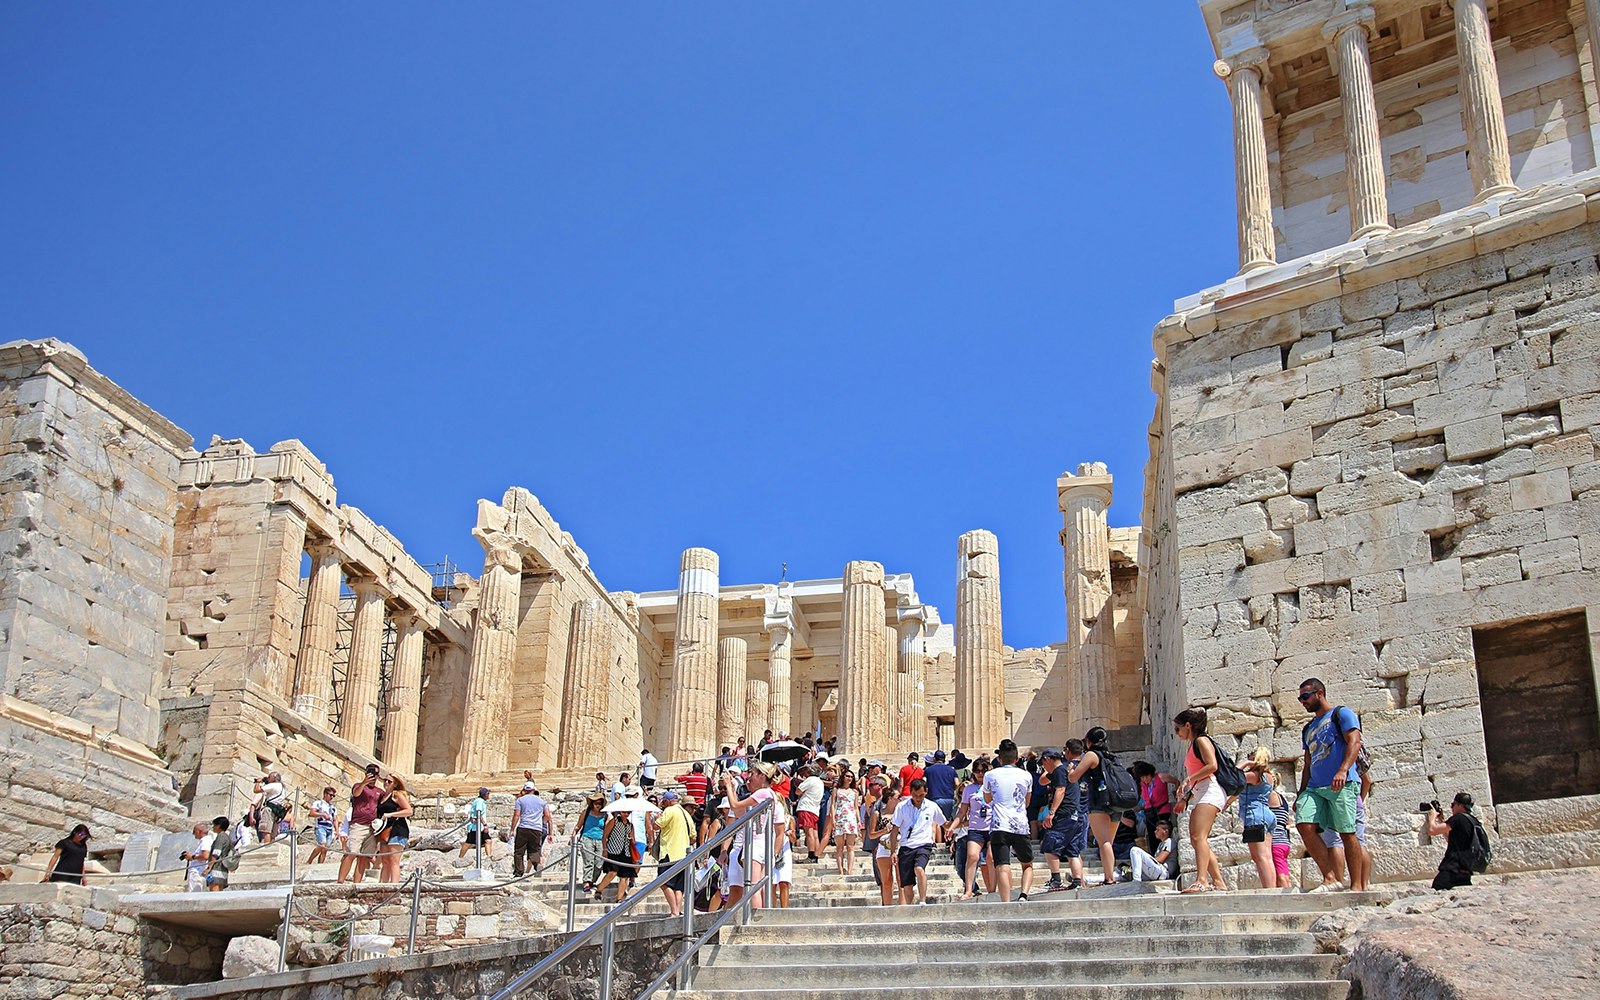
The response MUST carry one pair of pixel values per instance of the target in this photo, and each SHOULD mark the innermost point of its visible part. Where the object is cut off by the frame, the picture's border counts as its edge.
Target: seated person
(1148, 866)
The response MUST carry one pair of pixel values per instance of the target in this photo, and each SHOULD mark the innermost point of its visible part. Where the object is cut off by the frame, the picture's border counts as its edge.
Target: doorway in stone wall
(1541, 722)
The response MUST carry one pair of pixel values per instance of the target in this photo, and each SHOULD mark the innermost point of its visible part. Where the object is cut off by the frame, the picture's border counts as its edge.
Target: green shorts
(1328, 809)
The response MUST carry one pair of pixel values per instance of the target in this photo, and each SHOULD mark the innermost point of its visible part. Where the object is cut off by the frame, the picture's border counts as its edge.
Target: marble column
(897, 709)
(1084, 498)
(733, 673)
(1591, 17)
(863, 677)
(758, 708)
(1253, 187)
(918, 729)
(1488, 148)
(358, 714)
(405, 694)
(313, 676)
(487, 712)
(1364, 174)
(780, 651)
(586, 688)
(980, 653)
(693, 699)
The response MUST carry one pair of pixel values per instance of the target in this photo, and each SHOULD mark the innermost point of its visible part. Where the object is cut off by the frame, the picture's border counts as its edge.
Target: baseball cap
(938, 755)
(483, 793)
(669, 795)
(527, 786)
(1053, 752)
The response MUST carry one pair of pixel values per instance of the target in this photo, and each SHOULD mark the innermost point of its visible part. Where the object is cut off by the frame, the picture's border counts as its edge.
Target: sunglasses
(1306, 695)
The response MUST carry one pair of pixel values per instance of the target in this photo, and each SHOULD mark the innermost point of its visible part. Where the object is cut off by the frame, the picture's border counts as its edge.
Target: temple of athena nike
(1372, 460)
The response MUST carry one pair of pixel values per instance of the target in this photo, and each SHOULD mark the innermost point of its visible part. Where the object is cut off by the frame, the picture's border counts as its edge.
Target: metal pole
(608, 948)
(688, 926)
(572, 885)
(771, 897)
(416, 907)
(283, 937)
(483, 827)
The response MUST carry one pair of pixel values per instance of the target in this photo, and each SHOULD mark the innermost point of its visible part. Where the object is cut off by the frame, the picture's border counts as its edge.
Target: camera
(1430, 807)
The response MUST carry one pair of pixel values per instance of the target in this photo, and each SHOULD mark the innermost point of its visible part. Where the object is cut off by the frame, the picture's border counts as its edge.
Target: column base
(1491, 192)
(1372, 230)
(1257, 265)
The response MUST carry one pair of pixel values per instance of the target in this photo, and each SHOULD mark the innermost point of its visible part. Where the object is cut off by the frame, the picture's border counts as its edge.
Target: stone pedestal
(733, 665)
(863, 672)
(313, 679)
(780, 650)
(586, 689)
(1084, 498)
(980, 687)
(405, 695)
(358, 714)
(494, 648)
(757, 708)
(1488, 148)
(1364, 174)
(694, 659)
(1257, 244)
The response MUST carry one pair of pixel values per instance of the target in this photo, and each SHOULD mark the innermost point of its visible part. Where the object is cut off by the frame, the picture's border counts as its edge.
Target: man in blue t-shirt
(1329, 785)
(532, 820)
(941, 779)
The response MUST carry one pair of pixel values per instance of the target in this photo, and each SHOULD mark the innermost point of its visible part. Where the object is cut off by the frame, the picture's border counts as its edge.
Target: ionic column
(405, 694)
(694, 658)
(757, 708)
(586, 688)
(313, 676)
(1364, 174)
(1253, 188)
(780, 649)
(733, 665)
(1488, 148)
(863, 677)
(358, 715)
(487, 713)
(1091, 640)
(980, 653)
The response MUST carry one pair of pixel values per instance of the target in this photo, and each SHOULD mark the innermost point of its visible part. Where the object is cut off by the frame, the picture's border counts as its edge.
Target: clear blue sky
(801, 283)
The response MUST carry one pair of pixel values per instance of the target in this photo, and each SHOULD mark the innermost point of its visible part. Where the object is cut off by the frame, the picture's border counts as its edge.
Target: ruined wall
(1369, 461)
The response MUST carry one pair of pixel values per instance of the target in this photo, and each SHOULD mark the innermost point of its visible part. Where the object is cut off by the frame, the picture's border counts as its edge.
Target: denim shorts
(324, 835)
(397, 841)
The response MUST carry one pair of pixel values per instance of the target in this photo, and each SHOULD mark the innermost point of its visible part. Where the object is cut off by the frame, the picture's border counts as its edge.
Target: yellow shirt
(673, 828)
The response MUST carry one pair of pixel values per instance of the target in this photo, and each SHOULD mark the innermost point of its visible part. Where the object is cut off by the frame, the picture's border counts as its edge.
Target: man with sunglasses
(1329, 785)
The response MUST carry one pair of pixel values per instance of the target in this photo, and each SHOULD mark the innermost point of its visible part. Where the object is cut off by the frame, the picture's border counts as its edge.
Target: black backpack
(1122, 792)
(1479, 855)
(1228, 774)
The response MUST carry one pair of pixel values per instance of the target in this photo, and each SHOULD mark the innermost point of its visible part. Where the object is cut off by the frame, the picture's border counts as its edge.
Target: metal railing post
(608, 948)
(685, 977)
(572, 885)
(770, 898)
(283, 937)
(416, 907)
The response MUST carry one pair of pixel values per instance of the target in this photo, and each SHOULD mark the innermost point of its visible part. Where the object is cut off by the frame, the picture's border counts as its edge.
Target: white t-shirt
(916, 825)
(201, 846)
(647, 767)
(272, 792)
(618, 790)
(758, 829)
(322, 812)
(810, 795)
(1008, 787)
(978, 811)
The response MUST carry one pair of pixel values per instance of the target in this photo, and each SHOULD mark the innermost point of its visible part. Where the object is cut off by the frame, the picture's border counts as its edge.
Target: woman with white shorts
(1201, 790)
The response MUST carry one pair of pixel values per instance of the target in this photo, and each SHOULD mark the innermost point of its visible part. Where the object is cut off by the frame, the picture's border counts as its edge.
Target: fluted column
(758, 708)
(1253, 187)
(863, 679)
(918, 729)
(1084, 498)
(980, 652)
(358, 715)
(487, 713)
(780, 650)
(1591, 17)
(733, 666)
(586, 688)
(313, 676)
(405, 694)
(694, 658)
(1364, 173)
(1488, 148)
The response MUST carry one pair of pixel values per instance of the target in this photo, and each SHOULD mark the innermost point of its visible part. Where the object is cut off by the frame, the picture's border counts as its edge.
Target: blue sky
(800, 283)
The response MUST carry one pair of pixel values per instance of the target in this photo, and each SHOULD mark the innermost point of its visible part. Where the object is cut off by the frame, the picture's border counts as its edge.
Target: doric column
(1364, 174)
(586, 687)
(863, 677)
(1091, 640)
(694, 658)
(918, 729)
(980, 653)
(780, 650)
(733, 666)
(896, 710)
(358, 714)
(1257, 244)
(405, 694)
(758, 708)
(487, 712)
(1488, 148)
(1591, 16)
(313, 676)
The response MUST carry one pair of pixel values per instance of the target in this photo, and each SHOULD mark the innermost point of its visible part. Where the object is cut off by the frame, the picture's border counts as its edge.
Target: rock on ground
(250, 956)
(1524, 936)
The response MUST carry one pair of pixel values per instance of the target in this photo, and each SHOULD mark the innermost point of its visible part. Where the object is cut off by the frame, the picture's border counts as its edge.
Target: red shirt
(908, 774)
(695, 785)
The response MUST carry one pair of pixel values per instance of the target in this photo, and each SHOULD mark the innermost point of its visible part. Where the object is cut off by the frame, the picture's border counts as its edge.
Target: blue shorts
(397, 842)
(217, 878)
(979, 837)
(324, 835)
(1064, 840)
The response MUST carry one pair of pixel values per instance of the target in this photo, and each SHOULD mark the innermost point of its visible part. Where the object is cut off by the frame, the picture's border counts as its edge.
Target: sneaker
(1073, 882)
(1022, 897)
(1325, 887)
(1054, 884)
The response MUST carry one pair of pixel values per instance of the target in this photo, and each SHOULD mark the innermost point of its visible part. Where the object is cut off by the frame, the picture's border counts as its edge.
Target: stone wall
(1370, 458)
(447, 917)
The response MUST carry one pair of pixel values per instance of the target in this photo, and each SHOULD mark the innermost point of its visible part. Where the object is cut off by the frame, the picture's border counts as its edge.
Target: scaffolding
(344, 631)
(445, 591)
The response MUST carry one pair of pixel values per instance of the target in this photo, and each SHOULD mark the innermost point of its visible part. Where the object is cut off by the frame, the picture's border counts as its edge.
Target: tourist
(1061, 819)
(619, 788)
(393, 810)
(747, 861)
(478, 825)
(1255, 813)
(918, 823)
(1455, 869)
(270, 804)
(364, 796)
(1201, 790)
(808, 809)
(1329, 786)
(972, 853)
(647, 769)
(1152, 866)
(223, 858)
(783, 874)
(1155, 798)
(846, 814)
(194, 873)
(881, 825)
(1038, 792)
(941, 779)
(620, 864)
(910, 772)
(708, 872)
(322, 820)
(696, 784)
(1090, 769)
(675, 829)
(1283, 820)
(1331, 839)
(1006, 788)
(531, 821)
(602, 785)
(591, 833)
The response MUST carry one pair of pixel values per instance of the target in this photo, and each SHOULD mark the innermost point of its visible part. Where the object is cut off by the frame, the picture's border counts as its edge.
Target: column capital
(1252, 58)
(407, 618)
(862, 572)
(1354, 15)
(368, 587)
(1092, 481)
(321, 549)
(499, 553)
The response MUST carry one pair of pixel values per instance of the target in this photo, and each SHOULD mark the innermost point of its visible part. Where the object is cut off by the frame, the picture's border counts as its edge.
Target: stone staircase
(1149, 944)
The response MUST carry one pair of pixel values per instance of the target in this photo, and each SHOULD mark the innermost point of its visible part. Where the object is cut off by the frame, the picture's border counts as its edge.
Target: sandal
(1196, 887)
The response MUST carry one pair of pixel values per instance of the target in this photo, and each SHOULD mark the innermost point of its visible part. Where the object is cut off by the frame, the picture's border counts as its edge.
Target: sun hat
(527, 786)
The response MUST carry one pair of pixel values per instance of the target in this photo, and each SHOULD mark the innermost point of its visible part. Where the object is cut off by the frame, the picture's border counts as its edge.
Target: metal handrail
(605, 927)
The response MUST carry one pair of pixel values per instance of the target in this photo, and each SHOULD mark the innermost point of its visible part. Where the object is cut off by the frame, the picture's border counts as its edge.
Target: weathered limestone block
(249, 955)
